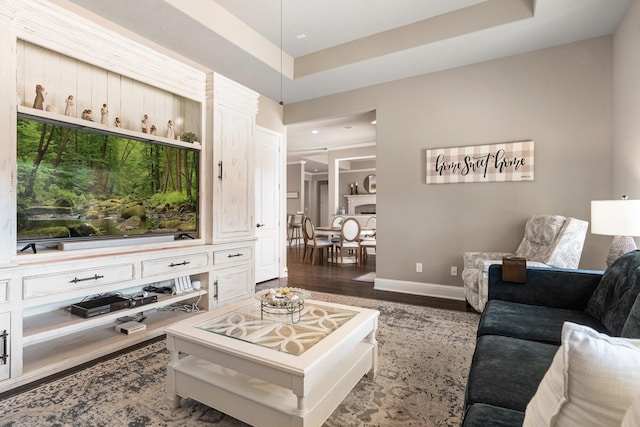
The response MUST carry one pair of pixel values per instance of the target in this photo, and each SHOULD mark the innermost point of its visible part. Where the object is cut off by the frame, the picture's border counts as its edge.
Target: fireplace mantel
(356, 200)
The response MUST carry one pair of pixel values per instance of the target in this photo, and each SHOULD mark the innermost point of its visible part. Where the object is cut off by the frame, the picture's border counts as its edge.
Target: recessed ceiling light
(347, 127)
(315, 131)
(315, 170)
(301, 36)
(373, 122)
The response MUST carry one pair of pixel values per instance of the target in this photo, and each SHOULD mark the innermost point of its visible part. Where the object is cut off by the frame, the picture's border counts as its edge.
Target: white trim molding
(418, 288)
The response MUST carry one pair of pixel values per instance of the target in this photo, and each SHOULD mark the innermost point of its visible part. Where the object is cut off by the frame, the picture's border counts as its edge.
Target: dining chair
(368, 241)
(312, 242)
(336, 223)
(349, 239)
(369, 230)
(294, 228)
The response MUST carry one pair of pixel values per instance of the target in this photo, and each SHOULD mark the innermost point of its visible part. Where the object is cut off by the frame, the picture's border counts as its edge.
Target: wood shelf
(58, 323)
(74, 122)
(49, 357)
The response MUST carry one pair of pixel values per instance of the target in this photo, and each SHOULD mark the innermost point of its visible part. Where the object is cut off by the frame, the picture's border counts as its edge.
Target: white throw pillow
(592, 381)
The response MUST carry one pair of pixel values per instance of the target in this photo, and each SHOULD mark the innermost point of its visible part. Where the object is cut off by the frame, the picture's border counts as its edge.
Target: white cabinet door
(233, 284)
(233, 157)
(268, 210)
(5, 348)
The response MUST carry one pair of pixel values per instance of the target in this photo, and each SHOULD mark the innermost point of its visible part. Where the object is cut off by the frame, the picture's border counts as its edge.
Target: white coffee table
(272, 372)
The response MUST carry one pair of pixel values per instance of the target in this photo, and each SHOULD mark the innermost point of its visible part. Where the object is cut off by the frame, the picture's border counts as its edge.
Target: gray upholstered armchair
(549, 241)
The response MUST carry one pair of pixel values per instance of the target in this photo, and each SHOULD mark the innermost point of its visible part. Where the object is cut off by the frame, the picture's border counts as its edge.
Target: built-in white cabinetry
(39, 336)
(233, 273)
(233, 108)
(5, 345)
(52, 338)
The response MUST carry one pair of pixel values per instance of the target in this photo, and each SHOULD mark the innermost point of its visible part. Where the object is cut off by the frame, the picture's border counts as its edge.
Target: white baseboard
(418, 288)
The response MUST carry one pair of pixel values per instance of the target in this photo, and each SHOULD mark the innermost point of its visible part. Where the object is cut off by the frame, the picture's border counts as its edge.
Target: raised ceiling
(349, 44)
(352, 43)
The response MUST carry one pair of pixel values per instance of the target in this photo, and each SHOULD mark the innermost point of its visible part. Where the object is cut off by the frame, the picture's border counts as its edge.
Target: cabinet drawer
(156, 267)
(49, 284)
(232, 256)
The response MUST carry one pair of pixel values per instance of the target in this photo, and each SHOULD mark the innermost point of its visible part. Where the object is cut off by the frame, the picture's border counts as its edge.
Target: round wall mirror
(370, 184)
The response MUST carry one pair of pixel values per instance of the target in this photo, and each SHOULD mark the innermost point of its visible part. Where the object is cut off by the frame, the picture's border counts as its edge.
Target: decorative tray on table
(282, 301)
(282, 297)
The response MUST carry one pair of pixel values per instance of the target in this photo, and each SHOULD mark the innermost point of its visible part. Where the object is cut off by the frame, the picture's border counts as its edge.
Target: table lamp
(619, 218)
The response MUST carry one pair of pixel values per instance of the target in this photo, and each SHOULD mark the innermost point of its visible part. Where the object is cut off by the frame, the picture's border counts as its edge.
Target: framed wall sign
(509, 161)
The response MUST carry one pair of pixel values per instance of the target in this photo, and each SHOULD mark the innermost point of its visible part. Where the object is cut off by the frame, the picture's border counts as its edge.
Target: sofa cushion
(531, 322)
(506, 371)
(631, 328)
(592, 381)
(483, 415)
(615, 296)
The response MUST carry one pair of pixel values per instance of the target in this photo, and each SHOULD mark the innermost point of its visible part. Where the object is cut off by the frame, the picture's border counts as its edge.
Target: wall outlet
(418, 267)
(454, 270)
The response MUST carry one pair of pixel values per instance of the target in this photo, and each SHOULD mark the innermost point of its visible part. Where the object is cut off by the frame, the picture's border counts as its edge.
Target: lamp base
(620, 246)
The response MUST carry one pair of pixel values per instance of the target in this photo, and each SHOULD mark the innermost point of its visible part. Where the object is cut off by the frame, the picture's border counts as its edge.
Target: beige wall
(626, 108)
(295, 183)
(270, 115)
(559, 97)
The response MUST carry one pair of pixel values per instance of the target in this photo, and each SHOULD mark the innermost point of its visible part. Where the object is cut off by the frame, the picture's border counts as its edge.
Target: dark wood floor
(337, 279)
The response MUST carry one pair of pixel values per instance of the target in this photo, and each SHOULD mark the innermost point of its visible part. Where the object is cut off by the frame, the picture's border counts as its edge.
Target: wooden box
(514, 269)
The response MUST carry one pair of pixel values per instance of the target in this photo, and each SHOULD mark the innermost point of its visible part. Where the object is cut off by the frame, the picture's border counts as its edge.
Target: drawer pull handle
(95, 277)
(220, 170)
(180, 263)
(5, 355)
(233, 256)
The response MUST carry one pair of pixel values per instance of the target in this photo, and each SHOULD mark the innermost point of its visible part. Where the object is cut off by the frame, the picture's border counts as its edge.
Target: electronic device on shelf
(108, 304)
(182, 284)
(130, 327)
(143, 300)
(100, 305)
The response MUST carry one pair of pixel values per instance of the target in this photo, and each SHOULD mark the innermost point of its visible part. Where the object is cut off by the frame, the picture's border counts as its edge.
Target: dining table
(332, 232)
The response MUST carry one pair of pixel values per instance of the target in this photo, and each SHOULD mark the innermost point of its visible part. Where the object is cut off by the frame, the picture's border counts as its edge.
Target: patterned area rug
(424, 357)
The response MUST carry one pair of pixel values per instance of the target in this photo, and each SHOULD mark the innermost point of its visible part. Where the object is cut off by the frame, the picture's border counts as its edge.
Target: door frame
(282, 201)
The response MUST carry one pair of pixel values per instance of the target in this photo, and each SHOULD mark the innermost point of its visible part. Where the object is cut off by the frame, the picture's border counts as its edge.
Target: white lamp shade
(615, 217)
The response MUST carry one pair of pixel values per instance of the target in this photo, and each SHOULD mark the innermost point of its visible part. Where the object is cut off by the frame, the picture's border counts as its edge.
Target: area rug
(369, 277)
(424, 357)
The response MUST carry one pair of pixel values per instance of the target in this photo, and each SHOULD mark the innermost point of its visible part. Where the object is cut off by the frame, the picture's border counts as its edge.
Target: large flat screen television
(80, 184)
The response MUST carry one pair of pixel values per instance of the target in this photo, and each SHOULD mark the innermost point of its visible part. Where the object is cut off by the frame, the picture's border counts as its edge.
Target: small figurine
(153, 130)
(39, 101)
(87, 115)
(68, 110)
(145, 124)
(104, 115)
(170, 132)
(117, 123)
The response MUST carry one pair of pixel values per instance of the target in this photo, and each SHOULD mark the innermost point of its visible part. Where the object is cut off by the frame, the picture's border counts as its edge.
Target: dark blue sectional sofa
(521, 325)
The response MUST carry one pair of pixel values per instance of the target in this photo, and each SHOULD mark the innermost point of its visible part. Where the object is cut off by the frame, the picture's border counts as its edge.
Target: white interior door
(267, 201)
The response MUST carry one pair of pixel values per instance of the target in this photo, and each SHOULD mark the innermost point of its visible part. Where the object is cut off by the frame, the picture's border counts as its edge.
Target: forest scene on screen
(75, 183)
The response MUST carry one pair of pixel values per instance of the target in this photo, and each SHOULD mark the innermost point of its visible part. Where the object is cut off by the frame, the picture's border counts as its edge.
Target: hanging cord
(281, 53)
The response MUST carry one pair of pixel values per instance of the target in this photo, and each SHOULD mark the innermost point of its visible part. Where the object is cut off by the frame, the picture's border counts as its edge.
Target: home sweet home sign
(510, 161)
